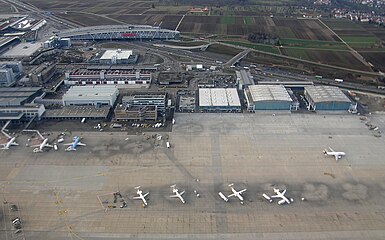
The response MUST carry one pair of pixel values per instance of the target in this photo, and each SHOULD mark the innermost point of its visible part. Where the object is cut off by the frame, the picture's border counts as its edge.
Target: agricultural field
(336, 58)
(307, 29)
(312, 44)
(88, 19)
(375, 58)
(260, 47)
(360, 41)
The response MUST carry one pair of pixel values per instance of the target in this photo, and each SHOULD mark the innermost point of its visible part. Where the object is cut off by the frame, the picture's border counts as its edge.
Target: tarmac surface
(69, 195)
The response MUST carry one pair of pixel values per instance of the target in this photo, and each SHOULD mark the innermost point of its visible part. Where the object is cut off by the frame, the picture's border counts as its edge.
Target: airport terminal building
(326, 98)
(118, 32)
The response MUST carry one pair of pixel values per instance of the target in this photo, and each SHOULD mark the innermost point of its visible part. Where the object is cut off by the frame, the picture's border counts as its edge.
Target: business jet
(74, 144)
(141, 196)
(40, 147)
(236, 193)
(11, 142)
(177, 193)
(337, 155)
(281, 195)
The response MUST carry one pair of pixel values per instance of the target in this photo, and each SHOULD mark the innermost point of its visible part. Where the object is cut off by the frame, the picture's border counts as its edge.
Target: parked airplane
(11, 142)
(141, 196)
(281, 195)
(74, 144)
(236, 193)
(177, 193)
(337, 155)
(40, 147)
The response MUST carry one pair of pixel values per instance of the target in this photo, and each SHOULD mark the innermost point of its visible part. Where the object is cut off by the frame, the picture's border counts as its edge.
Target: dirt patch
(372, 103)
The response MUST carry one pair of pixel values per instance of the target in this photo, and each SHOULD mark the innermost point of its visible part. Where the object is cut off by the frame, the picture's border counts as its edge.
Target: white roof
(87, 92)
(326, 94)
(118, 54)
(218, 97)
(269, 93)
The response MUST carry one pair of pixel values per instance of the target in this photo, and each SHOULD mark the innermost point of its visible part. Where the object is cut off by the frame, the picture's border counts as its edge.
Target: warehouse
(121, 78)
(91, 95)
(219, 100)
(118, 57)
(326, 98)
(267, 97)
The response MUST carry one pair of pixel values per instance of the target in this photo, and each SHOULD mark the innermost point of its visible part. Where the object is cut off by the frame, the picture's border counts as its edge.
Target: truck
(83, 120)
(339, 80)
(168, 144)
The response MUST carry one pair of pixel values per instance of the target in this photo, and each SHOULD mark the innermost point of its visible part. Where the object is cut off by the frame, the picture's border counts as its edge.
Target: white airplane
(177, 193)
(236, 193)
(74, 144)
(337, 155)
(141, 196)
(40, 147)
(281, 195)
(11, 142)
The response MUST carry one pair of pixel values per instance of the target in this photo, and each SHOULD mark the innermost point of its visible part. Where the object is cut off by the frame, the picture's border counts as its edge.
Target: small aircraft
(177, 193)
(141, 196)
(337, 155)
(74, 144)
(280, 195)
(11, 142)
(40, 147)
(236, 193)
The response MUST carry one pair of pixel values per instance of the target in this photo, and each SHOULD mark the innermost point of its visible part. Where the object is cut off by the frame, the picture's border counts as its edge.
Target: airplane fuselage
(237, 194)
(9, 143)
(281, 195)
(139, 192)
(176, 191)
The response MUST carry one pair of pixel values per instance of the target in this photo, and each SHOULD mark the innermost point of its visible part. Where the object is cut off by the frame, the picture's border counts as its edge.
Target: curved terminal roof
(269, 93)
(126, 30)
(326, 94)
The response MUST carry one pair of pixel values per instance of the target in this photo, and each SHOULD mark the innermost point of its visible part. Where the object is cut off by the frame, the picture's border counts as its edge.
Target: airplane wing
(283, 192)
(174, 196)
(331, 149)
(48, 145)
(67, 144)
(240, 192)
(136, 198)
(275, 196)
(181, 193)
(336, 156)
(81, 144)
(145, 195)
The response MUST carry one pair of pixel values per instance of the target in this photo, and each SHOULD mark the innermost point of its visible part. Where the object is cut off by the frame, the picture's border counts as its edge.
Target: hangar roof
(269, 93)
(326, 94)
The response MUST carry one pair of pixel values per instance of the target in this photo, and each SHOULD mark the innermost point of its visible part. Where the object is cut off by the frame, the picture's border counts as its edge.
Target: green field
(323, 45)
(260, 47)
(361, 41)
(297, 53)
(228, 20)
